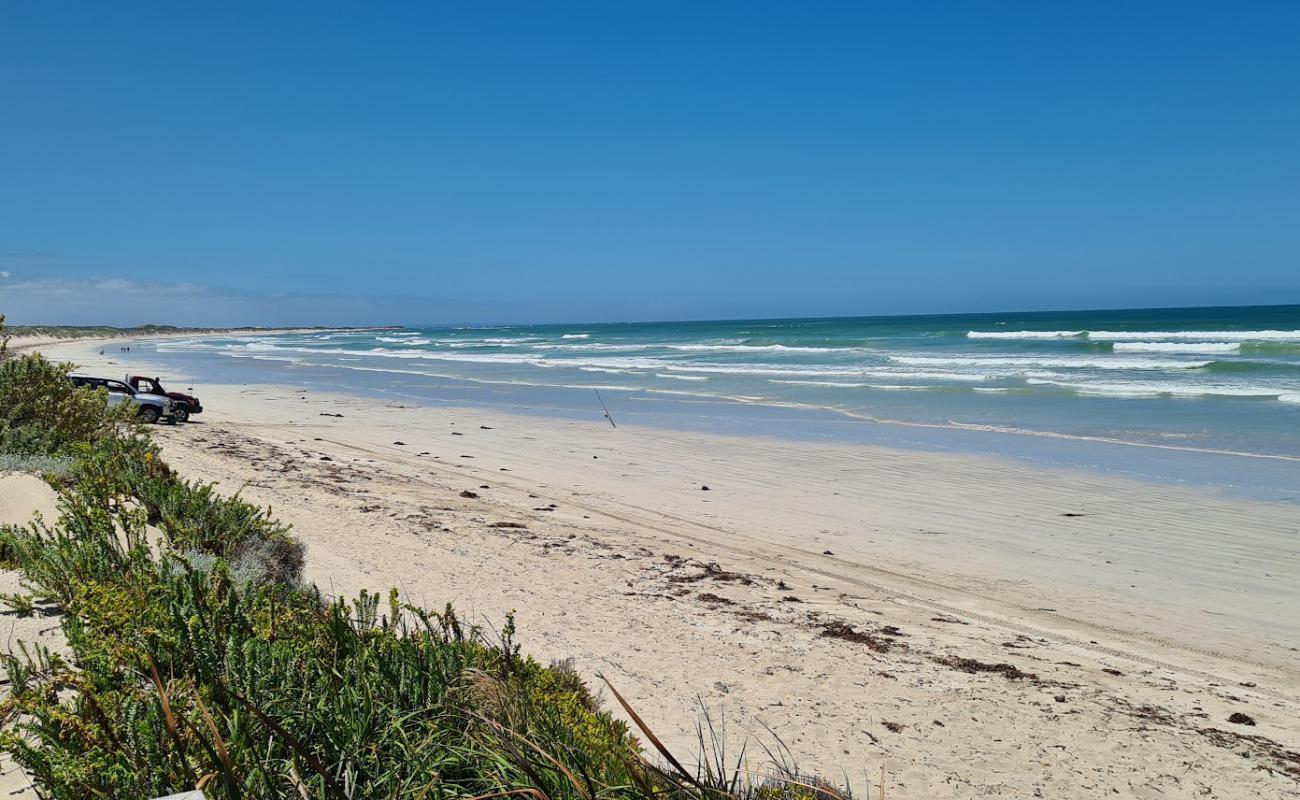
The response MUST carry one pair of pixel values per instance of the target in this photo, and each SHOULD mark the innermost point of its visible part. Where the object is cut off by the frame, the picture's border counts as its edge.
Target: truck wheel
(180, 415)
(148, 414)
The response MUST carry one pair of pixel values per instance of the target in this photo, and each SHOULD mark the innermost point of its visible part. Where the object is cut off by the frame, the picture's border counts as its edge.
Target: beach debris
(403, 444)
(484, 428)
(709, 597)
(1073, 514)
(1239, 718)
(457, 433)
(949, 620)
(327, 414)
(704, 488)
(326, 458)
(843, 630)
(468, 494)
(893, 727)
(711, 571)
(1110, 671)
(969, 665)
(517, 525)
(827, 553)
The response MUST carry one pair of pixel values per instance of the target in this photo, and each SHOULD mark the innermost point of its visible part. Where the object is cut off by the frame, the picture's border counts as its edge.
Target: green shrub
(42, 413)
(178, 665)
(55, 466)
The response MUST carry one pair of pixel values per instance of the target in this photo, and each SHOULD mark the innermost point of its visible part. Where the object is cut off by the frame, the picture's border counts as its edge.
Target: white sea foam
(1139, 336)
(463, 341)
(1177, 347)
(1062, 362)
(576, 336)
(830, 384)
(681, 377)
(888, 387)
(909, 374)
(1024, 334)
(1195, 336)
(684, 393)
(754, 348)
(1164, 389)
(408, 342)
(701, 348)
(756, 369)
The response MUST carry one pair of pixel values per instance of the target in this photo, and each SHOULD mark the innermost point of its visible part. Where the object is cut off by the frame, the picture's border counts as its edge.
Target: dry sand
(21, 498)
(934, 615)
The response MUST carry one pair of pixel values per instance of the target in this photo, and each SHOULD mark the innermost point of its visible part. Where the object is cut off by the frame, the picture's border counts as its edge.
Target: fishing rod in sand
(602, 403)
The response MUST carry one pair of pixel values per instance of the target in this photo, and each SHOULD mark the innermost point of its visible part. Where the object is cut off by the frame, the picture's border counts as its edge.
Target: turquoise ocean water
(1197, 380)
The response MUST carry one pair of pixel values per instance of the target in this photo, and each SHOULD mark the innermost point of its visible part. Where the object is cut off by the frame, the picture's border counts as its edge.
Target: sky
(355, 163)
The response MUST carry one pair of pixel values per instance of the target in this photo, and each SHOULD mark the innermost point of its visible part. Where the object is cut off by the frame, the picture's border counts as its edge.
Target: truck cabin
(113, 387)
(143, 384)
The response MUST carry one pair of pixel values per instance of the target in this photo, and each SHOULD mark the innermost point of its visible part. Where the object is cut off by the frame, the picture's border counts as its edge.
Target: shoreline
(966, 556)
(1245, 474)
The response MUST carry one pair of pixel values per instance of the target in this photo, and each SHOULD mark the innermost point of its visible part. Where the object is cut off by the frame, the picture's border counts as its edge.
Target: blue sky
(332, 163)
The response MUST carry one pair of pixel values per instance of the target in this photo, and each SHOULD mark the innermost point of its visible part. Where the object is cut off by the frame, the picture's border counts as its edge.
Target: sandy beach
(973, 626)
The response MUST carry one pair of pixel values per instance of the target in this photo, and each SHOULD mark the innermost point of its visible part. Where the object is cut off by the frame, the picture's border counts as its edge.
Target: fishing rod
(602, 403)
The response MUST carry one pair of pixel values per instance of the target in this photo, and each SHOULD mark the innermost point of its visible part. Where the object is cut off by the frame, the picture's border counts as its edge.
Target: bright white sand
(1192, 598)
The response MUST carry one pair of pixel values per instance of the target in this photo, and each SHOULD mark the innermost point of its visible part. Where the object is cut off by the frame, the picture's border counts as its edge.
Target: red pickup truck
(183, 405)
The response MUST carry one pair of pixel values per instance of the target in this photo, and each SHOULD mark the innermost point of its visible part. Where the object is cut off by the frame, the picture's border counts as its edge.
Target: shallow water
(1202, 396)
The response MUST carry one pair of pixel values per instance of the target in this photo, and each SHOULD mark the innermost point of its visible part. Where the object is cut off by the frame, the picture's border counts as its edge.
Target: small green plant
(21, 603)
(55, 466)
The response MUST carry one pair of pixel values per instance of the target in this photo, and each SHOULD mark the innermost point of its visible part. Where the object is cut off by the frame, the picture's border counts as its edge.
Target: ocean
(1195, 380)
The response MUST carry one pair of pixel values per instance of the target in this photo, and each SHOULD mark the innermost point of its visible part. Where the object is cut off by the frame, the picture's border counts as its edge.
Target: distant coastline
(22, 337)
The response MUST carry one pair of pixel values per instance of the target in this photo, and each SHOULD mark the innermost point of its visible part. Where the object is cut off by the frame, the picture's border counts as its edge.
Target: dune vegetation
(200, 659)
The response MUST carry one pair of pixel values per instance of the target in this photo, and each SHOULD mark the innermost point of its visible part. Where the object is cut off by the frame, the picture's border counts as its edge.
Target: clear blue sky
(424, 162)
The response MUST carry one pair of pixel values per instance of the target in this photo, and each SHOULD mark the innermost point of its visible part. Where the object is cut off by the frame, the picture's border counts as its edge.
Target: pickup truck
(184, 406)
(149, 407)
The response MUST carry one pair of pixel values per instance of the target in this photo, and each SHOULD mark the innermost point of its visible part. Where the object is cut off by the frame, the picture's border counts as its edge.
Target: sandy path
(1145, 624)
